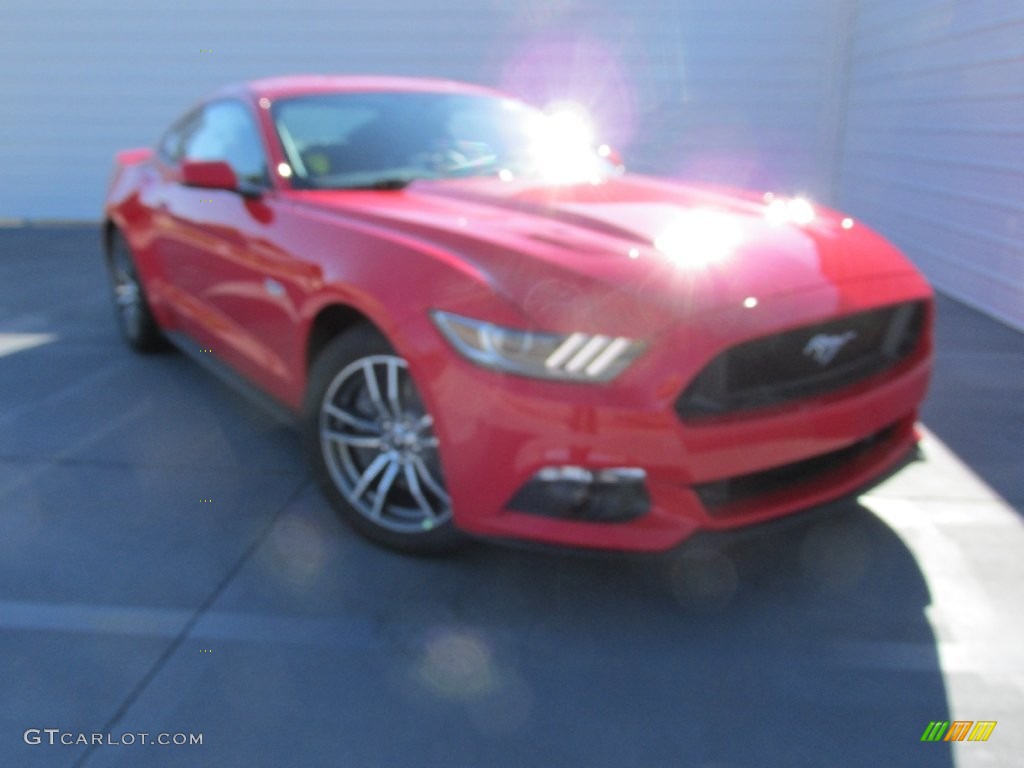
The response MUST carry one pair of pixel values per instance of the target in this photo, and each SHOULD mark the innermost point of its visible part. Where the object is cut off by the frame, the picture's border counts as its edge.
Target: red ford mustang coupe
(484, 326)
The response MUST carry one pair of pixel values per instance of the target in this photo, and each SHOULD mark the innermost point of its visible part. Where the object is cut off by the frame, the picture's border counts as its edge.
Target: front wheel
(373, 448)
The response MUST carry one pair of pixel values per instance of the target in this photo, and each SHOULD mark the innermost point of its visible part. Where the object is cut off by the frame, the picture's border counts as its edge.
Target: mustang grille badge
(824, 347)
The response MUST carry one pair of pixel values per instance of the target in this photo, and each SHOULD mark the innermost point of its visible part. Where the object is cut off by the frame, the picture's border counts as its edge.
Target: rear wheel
(372, 445)
(131, 308)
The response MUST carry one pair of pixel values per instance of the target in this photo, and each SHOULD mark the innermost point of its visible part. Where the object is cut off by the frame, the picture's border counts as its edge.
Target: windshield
(384, 140)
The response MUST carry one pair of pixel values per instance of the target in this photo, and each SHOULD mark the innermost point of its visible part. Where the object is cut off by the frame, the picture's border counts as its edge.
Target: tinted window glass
(344, 140)
(226, 131)
(172, 145)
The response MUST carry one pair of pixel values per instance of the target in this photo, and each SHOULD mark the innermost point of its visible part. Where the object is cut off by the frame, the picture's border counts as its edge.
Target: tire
(372, 447)
(131, 307)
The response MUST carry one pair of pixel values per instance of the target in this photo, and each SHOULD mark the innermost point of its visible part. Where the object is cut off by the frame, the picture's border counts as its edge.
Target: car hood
(587, 255)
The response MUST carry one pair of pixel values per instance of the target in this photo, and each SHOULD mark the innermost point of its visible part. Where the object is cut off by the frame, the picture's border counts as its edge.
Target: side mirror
(208, 174)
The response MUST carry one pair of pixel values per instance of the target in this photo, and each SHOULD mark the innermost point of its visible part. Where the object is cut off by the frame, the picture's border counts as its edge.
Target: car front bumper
(503, 437)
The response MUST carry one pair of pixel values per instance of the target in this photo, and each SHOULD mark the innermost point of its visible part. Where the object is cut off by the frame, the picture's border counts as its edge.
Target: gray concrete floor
(129, 605)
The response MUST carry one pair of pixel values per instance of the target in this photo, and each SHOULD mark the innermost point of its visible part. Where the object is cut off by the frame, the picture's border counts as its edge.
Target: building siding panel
(933, 151)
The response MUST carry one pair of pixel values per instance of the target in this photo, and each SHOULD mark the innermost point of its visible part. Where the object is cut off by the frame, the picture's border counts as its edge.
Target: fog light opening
(607, 495)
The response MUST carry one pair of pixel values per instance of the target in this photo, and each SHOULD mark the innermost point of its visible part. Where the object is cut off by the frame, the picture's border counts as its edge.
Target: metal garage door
(934, 150)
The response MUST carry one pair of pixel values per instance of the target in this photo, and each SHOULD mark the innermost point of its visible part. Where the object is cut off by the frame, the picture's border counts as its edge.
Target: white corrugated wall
(934, 141)
(736, 91)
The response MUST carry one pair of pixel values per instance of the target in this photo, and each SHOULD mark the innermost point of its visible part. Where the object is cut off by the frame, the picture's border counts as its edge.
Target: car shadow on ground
(808, 643)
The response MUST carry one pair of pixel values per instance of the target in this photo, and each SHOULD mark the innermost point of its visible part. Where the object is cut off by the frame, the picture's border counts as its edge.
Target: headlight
(572, 357)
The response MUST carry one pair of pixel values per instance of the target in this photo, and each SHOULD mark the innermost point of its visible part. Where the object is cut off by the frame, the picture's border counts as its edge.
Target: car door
(236, 290)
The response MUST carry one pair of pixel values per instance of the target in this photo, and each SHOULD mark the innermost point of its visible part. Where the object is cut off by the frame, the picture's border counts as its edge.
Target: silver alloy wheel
(127, 291)
(379, 446)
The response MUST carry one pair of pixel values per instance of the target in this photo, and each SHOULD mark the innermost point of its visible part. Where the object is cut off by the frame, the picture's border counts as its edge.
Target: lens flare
(796, 210)
(700, 238)
(569, 124)
(563, 145)
(457, 665)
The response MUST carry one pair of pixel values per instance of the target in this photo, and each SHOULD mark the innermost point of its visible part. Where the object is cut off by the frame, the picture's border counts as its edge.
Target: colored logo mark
(959, 730)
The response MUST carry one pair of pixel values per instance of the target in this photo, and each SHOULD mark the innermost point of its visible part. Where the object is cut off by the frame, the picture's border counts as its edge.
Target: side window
(172, 146)
(226, 131)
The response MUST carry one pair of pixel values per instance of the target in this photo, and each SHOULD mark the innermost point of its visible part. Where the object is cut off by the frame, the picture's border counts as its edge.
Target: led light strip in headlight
(573, 357)
(592, 354)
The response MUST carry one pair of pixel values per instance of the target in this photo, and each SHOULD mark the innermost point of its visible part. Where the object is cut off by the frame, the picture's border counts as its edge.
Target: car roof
(297, 85)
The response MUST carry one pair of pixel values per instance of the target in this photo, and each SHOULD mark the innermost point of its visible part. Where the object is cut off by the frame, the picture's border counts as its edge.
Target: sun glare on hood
(700, 238)
(795, 210)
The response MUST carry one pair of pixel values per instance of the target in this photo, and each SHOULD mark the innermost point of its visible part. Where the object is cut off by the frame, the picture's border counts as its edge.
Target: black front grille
(804, 362)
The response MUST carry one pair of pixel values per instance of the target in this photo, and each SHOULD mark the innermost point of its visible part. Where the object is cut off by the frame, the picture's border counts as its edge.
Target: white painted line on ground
(80, 618)
(91, 619)
(16, 342)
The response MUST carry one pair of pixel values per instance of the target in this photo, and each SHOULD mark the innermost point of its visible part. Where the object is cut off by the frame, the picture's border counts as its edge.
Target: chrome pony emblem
(824, 347)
